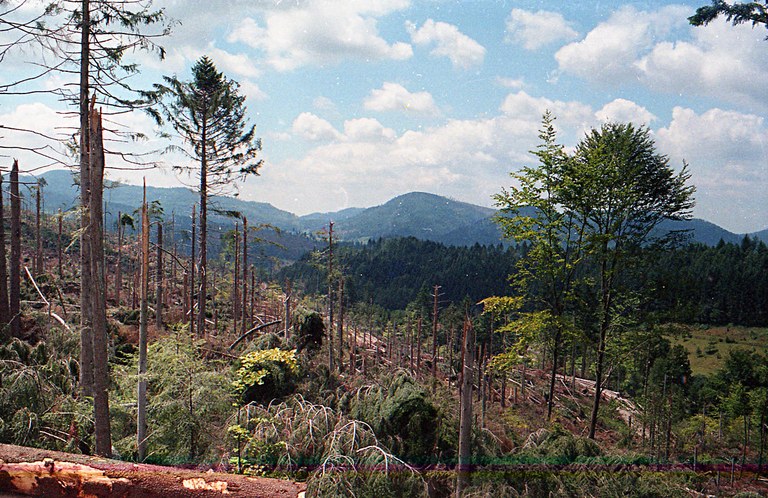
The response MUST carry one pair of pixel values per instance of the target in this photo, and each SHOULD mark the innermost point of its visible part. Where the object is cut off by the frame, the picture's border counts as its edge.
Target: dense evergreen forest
(690, 284)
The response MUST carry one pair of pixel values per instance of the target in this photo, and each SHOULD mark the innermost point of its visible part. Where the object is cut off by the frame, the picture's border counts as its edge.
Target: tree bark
(245, 323)
(86, 341)
(159, 277)
(14, 301)
(99, 289)
(330, 296)
(141, 417)
(4, 307)
(38, 234)
(192, 263)
(202, 294)
(465, 410)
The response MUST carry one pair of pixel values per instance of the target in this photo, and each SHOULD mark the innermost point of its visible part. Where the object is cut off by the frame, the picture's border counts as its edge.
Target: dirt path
(51, 474)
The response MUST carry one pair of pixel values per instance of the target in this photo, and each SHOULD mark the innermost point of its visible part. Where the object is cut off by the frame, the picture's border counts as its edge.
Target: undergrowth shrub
(188, 401)
(343, 455)
(265, 375)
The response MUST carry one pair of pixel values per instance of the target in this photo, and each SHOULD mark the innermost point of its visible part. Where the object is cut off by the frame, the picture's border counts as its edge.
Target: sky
(358, 101)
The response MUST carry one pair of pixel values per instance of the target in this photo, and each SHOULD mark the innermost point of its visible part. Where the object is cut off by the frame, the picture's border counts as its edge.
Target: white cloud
(312, 127)
(323, 103)
(728, 156)
(251, 90)
(465, 158)
(321, 32)
(514, 83)
(608, 53)
(717, 136)
(394, 97)
(463, 51)
(27, 127)
(721, 61)
(661, 51)
(572, 118)
(367, 129)
(535, 30)
(625, 111)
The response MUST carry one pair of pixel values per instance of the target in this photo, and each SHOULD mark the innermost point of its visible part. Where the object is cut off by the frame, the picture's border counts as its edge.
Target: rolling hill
(416, 214)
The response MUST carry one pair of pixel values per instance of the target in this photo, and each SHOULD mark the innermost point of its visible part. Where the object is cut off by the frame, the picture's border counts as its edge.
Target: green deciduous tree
(208, 114)
(621, 189)
(535, 211)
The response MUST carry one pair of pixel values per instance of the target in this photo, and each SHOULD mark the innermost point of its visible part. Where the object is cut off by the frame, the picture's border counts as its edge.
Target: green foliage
(188, 403)
(391, 272)
(209, 114)
(265, 375)
(754, 13)
(558, 446)
(310, 331)
(38, 386)
(346, 454)
(401, 413)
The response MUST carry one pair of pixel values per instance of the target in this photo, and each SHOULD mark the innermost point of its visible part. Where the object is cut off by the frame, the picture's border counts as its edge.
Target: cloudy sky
(361, 100)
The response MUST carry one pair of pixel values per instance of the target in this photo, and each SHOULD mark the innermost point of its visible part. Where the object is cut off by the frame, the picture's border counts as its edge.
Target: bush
(346, 454)
(188, 404)
(265, 375)
(401, 413)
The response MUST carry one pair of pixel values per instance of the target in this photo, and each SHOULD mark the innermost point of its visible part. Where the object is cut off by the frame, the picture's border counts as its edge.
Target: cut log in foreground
(51, 474)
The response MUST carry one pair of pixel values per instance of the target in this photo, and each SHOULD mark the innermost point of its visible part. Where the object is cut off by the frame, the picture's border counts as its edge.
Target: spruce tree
(208, 114)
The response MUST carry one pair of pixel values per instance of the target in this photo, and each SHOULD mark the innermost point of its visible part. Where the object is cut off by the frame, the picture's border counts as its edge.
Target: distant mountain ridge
(422, 215)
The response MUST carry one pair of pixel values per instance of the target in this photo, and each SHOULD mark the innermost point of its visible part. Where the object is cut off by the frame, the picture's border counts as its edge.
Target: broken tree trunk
(14, 302)
(98, 286)
(4, 309)
(465, 410)
(141, 417)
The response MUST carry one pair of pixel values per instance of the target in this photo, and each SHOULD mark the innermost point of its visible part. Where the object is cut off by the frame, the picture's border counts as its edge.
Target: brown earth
(52, 474)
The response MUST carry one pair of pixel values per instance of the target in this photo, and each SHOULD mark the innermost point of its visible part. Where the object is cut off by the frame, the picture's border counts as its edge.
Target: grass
(708, 347)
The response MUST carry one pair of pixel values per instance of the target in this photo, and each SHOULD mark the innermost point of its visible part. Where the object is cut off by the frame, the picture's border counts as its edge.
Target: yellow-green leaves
(255, 367)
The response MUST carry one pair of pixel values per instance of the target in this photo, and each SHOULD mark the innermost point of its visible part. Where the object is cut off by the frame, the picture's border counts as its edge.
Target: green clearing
(708, 347)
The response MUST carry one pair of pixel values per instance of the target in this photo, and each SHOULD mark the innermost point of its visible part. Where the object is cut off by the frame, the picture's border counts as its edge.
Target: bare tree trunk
(434, 341)
(340, 333)
(553, 375)
(38, 233)
(236, 282)
(192, 264)
(86, 342)
(244, 301)
(141, 418)
(330, 296)
(286, 310)
(60, 219)
(418, 345)
(465, 410)
(14, 301)
(159, 277)
(119, 264)
(98, 296)
(5, 310)
(202, 295)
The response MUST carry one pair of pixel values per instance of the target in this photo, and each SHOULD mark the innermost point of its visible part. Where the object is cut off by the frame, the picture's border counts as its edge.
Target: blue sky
(359, 101)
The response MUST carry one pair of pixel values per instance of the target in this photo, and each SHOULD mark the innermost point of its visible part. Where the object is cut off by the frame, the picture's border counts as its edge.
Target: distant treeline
(724, 284)
(391, 272)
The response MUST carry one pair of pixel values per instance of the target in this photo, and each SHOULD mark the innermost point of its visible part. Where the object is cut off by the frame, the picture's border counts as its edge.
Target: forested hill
(416, 214)
(718, 285)
(392, 272)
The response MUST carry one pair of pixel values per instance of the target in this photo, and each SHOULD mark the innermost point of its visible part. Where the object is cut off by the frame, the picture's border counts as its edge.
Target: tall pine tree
(208, 114)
